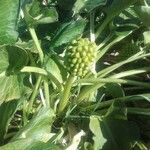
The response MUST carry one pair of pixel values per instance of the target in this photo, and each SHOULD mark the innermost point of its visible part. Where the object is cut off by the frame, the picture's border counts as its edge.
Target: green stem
(141, 146)
(114, 80)
(34, 70)
(139, 111)
(84, 93)
(102, 27)
(135, 57)
(35, 39)
(131, 72)
(106, 40)
(46, 87)
(41, 55)
(34, 94)
(31, 59)
(125, 99)
(106, 45)
(99, 82)
(25, 120)
(92, 35)
(10, 135)
(66, 93)
(44, 73)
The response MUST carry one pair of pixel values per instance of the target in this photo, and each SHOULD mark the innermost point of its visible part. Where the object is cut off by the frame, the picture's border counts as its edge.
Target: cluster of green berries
(79, 57)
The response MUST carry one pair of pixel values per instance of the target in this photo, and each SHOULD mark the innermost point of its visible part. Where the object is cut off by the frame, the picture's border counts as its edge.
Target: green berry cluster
(79, 56)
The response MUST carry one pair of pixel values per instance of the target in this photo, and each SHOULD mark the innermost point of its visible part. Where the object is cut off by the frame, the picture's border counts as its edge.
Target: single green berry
(79, 56)
(74, 60)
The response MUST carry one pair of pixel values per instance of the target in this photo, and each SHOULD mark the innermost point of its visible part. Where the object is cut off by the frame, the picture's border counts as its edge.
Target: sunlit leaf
(113, 134)
(87, 5)
(144, 13)
(67, 32)
(9, 11)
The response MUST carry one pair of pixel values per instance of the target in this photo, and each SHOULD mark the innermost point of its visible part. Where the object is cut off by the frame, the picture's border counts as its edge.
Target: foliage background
(41, 107)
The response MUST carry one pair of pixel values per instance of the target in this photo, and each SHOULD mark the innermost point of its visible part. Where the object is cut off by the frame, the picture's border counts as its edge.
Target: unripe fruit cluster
(79, 56)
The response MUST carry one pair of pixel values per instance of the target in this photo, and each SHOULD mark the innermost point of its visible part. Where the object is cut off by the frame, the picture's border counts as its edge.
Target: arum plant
(78, 59)
(66, 81)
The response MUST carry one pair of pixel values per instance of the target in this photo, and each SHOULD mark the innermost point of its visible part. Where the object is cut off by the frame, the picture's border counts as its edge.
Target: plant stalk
(92, 35)
(41, 55)
(65, 94)
(35, 39)
(34, 94)
(46, 87)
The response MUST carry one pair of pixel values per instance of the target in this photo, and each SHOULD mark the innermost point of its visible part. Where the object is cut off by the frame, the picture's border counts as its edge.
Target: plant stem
(92, 35)
(42, 97)
(34, 70)
(108, 70)
(99, 82)
(25, 120)
(66, 93)
(114, 80)
(102, 27)
(35, 39)
(125, 99)
(44, 73)
(99, 106)
(34, 94)
(141, 146)
(41, 55)
(46, 87)
(139, 111)
(106, 40)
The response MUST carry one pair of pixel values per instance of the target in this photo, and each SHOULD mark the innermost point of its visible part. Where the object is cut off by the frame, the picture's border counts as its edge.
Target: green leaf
(117, 6)
(17, 145)
(4, 62)
(35, 132)
(66, 4)
(53, 71)
(146, 37)
(52, 68)
(39, 126)
(9, 88)
(67, 32)
(50, 15)
(98, 138)
(114, 90)
(112, 10)
(87, 5)
(148, 2)
(17, 58)
(29, 144)
(113, 133)
(144, 13)
(36, 13)
(12, 60)
(7, 111)
(43, 146)
(13, 87)
(113, 38)
(27, 45)
(117, 110)
(8, 18)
